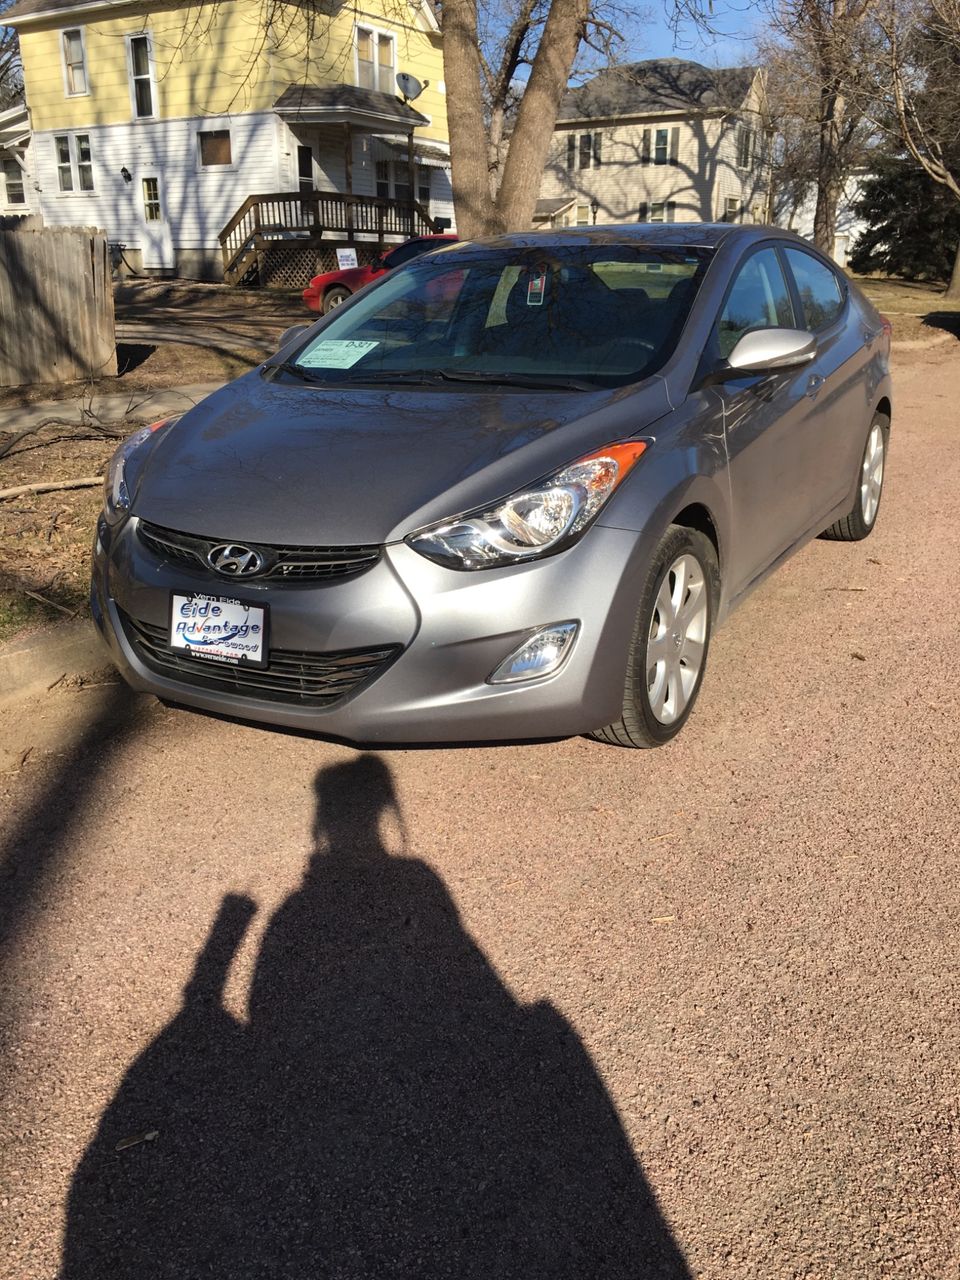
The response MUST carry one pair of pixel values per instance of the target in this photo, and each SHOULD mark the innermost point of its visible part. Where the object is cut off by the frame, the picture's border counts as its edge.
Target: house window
(571, 151)
(141, 77)
(393, 180)
(583, 215)
(662, 146)
(151, 200)
(744, 147)
(586, 150)
(74, 63)
(12, 182)
(214, 148)
(376, 60)
(731, 209)
(74, 162)
(662, 211)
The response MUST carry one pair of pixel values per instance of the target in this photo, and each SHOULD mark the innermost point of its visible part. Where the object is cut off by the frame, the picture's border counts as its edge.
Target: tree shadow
(388, 1108)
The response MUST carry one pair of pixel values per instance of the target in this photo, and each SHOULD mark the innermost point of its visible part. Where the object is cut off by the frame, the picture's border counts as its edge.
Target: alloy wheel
(871, 475)
(676, 641)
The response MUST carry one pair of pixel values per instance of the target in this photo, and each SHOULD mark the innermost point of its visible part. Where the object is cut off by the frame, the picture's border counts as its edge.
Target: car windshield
(571, 316)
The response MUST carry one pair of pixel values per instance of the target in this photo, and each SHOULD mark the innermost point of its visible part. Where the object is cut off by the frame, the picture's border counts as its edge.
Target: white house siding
(196, 202)
(850, 227)
(704, 176)
(31, 199)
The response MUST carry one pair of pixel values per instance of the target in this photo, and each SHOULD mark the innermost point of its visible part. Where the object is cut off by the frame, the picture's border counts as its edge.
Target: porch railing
(262, 220)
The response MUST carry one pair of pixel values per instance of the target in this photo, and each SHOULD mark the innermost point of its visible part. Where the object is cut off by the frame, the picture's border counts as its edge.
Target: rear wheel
(333, 297)
(861, 518)
(671, 637)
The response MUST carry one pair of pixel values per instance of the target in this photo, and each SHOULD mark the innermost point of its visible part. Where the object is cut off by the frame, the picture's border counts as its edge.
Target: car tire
(663, 682)
(333, 297)
(859, 521)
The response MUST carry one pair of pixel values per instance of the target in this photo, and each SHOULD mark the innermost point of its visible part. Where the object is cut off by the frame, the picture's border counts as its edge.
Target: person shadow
(388, 1108)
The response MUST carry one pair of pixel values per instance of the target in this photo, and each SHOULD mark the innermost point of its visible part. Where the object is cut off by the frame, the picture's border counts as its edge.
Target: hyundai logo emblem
(234, 561)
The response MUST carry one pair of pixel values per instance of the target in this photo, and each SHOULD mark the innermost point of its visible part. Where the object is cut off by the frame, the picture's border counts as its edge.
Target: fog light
(540, 654)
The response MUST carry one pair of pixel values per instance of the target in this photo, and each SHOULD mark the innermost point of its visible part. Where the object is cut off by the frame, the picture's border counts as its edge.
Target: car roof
(694, 235)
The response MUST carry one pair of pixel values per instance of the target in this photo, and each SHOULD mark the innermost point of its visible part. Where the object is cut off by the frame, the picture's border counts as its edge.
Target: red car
(325, 292)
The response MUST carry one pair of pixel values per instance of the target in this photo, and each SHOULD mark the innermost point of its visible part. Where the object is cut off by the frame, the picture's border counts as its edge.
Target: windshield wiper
(507, 379)
(298, 371)
(426, 377)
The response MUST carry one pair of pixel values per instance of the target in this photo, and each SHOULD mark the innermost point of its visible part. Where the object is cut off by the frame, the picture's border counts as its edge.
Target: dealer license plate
(219, 629)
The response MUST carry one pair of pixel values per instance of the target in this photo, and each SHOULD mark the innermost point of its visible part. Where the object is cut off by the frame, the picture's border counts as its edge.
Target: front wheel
(333, 297)
(671, 637)
(859, 521)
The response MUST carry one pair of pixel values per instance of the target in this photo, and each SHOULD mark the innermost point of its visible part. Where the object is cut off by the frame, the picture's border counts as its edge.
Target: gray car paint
(266, 461)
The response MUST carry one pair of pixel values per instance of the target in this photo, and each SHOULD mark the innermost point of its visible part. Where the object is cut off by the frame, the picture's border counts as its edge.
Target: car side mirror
(770, 350)
(290, 335)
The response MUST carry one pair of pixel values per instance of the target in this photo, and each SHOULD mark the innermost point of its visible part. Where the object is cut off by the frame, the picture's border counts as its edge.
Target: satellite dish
(410, 86)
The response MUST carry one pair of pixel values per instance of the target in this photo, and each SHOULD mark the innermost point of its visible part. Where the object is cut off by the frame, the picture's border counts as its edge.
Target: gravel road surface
(273, 1007)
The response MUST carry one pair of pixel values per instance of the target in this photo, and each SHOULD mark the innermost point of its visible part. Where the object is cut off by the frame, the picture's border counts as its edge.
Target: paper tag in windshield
(335, 353)
(536, 287)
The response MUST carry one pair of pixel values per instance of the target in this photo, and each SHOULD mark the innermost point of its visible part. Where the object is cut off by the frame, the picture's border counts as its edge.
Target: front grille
(284, 563)
(293, 676)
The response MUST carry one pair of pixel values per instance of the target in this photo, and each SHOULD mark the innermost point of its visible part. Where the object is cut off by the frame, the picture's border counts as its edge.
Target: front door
(769, 452)
(305, 168)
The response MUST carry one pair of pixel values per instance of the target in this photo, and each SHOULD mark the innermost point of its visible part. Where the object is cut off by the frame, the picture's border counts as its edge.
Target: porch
(358, 180)
(273, 239)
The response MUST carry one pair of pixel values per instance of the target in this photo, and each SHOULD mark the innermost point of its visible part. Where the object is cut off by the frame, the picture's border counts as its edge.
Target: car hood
(264, 461)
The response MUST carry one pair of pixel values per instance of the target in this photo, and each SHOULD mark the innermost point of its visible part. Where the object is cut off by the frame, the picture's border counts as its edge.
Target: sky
(734, 20)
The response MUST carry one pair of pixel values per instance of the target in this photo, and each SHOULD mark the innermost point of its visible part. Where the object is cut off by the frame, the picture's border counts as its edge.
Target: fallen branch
(8, 444)
(88, 482)
(51, 604)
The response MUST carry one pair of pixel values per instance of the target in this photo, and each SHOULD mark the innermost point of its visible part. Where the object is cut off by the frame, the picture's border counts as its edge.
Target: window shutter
(571, 151)
(671, 211)
(674, 145)
(642, 215)
(597, 150)
(645, 147)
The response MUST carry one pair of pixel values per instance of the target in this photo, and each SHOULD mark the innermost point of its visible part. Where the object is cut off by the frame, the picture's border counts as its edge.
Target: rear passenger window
(820, 294)
(759, 299)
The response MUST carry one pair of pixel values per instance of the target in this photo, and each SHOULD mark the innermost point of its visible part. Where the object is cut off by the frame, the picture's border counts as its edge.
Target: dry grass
(904, 296)
(143, 368)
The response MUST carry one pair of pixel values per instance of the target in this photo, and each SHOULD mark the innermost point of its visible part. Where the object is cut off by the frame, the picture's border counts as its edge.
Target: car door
(837, 410)
(770, 457)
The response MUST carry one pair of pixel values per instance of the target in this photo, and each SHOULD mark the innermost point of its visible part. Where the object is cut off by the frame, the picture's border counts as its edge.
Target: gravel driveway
(541, 1011)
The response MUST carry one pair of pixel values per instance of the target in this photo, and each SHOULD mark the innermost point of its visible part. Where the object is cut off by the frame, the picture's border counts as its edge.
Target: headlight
(547, 517)
(116, 492)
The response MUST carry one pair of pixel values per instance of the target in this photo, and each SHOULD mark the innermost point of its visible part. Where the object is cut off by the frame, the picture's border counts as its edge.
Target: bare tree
(547, 35)
(11, 85)
(922, 58)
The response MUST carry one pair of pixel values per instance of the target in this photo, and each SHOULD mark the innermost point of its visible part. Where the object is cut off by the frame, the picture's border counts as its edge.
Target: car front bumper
(452, 630)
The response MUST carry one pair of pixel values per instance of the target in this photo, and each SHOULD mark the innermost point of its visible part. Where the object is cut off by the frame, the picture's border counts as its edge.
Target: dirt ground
(274, 1007)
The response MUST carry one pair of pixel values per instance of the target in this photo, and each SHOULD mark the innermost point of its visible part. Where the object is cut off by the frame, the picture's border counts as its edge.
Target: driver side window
(759, 299)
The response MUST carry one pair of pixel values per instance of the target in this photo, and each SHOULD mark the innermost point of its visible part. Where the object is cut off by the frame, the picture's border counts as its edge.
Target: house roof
(548, 207)
(660, 85)
(14, 127)
(345, 103)
(37, 8)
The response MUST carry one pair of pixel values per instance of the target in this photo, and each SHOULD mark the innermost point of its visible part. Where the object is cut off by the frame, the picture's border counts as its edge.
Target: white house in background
(661, 141)
(18, 194)
(849, 225)
(208, 145)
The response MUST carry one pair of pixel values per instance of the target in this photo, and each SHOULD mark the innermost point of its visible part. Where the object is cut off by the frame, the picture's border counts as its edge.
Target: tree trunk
(953, 288)
(829, 181)
(537, 116)
(472, 202)
(477, 211)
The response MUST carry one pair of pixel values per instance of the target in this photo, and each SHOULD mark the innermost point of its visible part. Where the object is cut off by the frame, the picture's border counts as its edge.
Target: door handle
(814, 383)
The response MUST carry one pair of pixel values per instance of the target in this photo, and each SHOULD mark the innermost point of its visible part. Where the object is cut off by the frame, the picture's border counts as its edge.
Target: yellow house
(240, 137)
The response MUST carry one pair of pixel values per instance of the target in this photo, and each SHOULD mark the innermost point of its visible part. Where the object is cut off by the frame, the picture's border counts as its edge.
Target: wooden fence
(56, 306)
